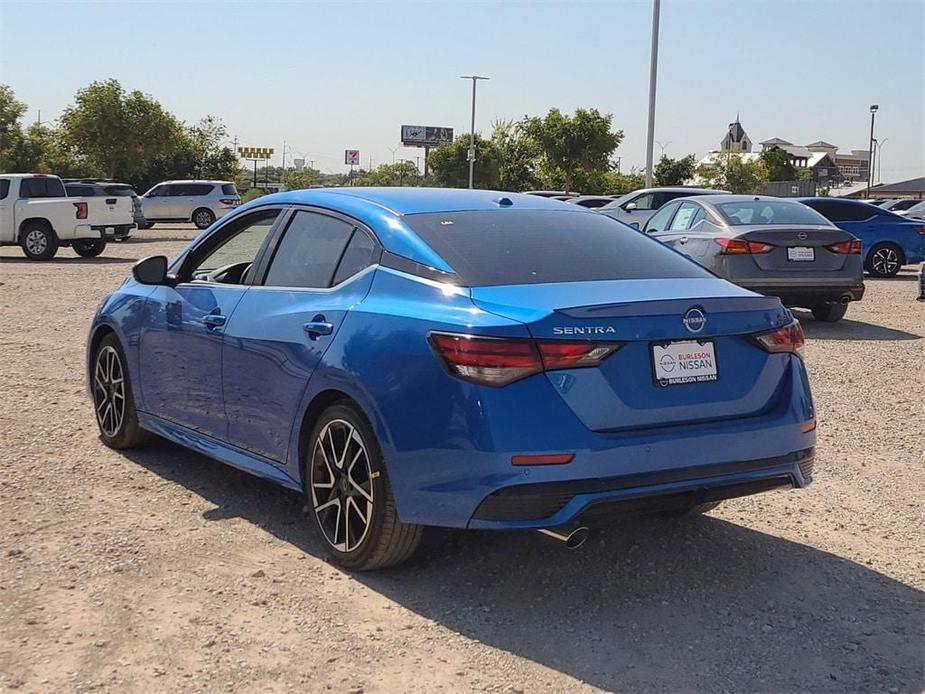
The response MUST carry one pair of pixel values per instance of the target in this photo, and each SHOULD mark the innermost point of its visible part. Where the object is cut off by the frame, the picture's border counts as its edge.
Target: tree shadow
(847, 329)
(647, 605)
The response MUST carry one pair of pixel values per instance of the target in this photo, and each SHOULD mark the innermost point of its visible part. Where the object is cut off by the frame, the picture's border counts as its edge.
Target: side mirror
(151, 270)
(630, 206)
(635, 225)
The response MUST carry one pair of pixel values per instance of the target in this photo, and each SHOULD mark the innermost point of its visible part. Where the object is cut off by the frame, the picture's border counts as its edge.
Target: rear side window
(198, 189)
(659, 221)
(229, 189)
(358, 256)
(843, 211)
(4, 188)
(309, 252)
(42, 188)
(487, 248)
(684, 219)
(79, 191)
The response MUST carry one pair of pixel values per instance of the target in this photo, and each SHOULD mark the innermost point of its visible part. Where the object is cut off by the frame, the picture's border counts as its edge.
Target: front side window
(659, 221)
(309, 252)
(4, 188)
(645, 202)
(234, 249)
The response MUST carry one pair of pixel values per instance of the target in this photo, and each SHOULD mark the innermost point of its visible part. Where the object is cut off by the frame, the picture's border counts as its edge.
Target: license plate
(110, 230)
(801, 253)
(690, 361)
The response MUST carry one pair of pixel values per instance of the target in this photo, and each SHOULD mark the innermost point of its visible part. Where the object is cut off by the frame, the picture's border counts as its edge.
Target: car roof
(194, 180)
(405, 201)
(731, 197)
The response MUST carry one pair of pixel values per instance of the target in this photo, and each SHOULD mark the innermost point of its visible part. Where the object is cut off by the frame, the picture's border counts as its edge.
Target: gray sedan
(769, 245)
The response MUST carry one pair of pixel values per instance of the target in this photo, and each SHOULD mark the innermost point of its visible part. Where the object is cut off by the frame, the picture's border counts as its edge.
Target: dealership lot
(160, 569)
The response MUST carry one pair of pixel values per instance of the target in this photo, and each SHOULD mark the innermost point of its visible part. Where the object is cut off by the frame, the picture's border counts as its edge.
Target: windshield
(746, 212)
(494, 247)
(918, 207)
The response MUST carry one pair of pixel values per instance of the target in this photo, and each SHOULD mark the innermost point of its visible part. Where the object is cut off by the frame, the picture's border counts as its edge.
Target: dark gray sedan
(769, 245)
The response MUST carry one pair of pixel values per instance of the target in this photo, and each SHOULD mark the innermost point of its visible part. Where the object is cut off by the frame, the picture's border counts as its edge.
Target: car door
(637, 211)
(180, 348)
(287, 321)
(156, 203)
(658, 224)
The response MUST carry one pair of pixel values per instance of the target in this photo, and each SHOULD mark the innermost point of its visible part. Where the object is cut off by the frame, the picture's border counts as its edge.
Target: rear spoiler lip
(675, 306)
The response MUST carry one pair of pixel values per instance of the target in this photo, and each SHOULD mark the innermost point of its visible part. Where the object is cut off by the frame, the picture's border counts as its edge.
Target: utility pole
(393, 150)
(663, 147)
(653, 71)
(870, 154)
(880, 157)
(475, 79)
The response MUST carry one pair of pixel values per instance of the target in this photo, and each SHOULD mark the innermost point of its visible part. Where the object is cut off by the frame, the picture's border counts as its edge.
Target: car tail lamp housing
(81, 209)
(228, 201)
(790, 338)
(493, 361)
(846, 247)
(919, 229)
(742, 247)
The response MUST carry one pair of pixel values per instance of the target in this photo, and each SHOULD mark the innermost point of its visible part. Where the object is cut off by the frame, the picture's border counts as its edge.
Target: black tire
(115, 432)
(830, 313)
(203, 217)
(38, 241)
(146, 225)
(332, 490)
(88, 248)
(694, 510)
(884, 260)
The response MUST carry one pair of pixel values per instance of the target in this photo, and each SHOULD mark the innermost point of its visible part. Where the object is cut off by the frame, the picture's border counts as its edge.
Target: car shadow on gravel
(648, 604)
(847, 329)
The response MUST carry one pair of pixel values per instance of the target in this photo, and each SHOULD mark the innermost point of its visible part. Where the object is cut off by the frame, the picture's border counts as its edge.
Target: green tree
(215, 159)
(115, 133)
(674, 172)
(575, 150)
(516, 155)
(450, 165)
(733, 173)
(779, 166)
(400, 173)
(616, 183)
(297, 180)
(11, 134)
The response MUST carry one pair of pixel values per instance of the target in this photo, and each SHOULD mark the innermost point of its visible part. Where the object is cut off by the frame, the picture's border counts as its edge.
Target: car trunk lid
(798, 249)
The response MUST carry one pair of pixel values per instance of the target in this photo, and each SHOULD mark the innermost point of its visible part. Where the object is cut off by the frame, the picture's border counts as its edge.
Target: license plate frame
(801, 254)
(674, 350)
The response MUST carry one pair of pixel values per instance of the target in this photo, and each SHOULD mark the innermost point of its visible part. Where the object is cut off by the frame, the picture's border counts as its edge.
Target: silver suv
(199, 202)
(635, 208)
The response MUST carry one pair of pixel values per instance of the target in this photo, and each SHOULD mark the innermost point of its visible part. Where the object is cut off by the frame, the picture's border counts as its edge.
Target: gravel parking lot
(160, 570)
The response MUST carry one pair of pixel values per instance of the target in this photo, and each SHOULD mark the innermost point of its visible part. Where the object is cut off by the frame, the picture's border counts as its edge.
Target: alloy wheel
(109, 391)
(885, 261)
(203, 219)
(341, 485)
(36, 242)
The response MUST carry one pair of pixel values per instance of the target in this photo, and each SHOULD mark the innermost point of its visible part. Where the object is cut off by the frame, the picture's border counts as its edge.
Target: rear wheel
(829, 313)
(88, 248)
(39, 241)
(203, 218)
(349, 495)
(112, 397)
(884, 260)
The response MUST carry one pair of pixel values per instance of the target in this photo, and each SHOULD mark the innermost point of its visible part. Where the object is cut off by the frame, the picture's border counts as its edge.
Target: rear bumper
(555, 503)
(110, 231)
(808, 294)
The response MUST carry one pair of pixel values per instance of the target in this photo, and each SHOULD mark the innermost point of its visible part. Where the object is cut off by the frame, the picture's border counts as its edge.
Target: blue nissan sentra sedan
(471, 359)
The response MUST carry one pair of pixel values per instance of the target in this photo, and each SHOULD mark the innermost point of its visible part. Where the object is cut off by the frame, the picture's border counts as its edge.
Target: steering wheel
(220, 274)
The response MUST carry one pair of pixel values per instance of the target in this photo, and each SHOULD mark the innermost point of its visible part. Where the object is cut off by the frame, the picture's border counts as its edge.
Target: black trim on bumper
(542, 500)
(808, 296)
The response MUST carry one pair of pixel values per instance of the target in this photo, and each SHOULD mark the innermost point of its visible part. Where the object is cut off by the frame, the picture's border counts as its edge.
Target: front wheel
(112, 397)
(349, 495)
(884, 260)
(830, 313)
(203, 218)
(88, 248)
(39, 242)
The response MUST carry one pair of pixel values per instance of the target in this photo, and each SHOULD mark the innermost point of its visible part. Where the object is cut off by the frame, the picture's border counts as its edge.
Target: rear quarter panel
(59, 212)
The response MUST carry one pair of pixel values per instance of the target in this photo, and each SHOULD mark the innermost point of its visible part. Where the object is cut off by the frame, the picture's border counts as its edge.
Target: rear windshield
(229, 189)
(495, 247)
(42, 188)
(745, 212)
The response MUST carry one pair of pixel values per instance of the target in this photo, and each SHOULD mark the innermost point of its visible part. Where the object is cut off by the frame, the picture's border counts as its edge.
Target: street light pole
(663, 147)
(475, 79)
(870, 154)
(653, 70)
(880, 144)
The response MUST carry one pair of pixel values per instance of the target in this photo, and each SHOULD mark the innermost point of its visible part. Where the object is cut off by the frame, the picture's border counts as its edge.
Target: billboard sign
(255, 152)
(352, 157)
(299, 165)
(425, 135)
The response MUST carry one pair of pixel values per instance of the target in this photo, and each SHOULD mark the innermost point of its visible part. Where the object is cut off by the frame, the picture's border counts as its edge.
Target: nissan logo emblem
(802, 236)
(694, 320)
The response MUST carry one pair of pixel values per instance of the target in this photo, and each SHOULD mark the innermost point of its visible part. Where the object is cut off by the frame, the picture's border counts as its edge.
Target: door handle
(318, 326)
(214, 320)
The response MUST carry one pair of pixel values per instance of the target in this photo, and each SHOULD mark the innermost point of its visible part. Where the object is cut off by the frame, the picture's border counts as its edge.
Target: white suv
(199, 202)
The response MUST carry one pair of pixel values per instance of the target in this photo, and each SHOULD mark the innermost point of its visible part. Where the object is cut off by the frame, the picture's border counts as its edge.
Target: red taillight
(228, 201)
(81, 209)
(919, 229)
(543, 459)
(742, 247)
(787, 339)
(846, 247)
(498, 361)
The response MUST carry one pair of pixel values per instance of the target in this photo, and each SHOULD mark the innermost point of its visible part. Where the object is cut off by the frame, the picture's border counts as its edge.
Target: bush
(252, 194)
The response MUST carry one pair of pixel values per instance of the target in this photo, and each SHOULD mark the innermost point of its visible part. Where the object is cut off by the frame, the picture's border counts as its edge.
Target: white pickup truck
(37, 215)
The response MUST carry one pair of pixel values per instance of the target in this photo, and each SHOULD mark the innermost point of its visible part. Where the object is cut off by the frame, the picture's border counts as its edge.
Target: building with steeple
(737, 140)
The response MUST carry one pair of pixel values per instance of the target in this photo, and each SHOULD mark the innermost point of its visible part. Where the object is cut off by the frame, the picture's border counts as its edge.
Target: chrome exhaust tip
(845, 299)
(572, 536)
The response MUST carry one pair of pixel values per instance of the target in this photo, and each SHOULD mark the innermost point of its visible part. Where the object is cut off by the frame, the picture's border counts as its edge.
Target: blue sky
(328, 76)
